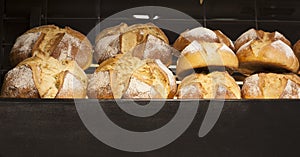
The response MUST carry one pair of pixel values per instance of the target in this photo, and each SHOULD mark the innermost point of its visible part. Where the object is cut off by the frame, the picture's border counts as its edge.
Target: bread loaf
(215, 85)
(205, 54)
(201, 34)
(266, 54)
(37, 77)
(271, 86)
(125, 76)
(151, 42)
(296, 49)
(50, 40)
(115, 30)
(253, 34)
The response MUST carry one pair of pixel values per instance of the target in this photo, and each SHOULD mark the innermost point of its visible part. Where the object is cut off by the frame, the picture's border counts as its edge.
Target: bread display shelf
(35, 127)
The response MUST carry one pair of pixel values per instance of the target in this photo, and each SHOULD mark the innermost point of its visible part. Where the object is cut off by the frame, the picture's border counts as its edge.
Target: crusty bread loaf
(215, 85)
(201, 34)
(37, 77)
(266, 55)
(271, 86)
(296, 49)
(125, 76)
(253, 34)
(123, 39)
(118, 29)
(53, 41)
(205, 54)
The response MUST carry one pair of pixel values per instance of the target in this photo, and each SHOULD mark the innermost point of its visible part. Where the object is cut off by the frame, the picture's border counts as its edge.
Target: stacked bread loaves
(266, 57)
(50, 40)
(204, 49)
(144, 40)
(133, 63)
(49, 64)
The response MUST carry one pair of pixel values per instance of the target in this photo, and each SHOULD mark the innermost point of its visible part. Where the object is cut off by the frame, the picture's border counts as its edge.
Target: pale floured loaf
(125, 76)
(215, 85)
(271, 86)
(205, 54)
(38, 77)
(60, 43)
(150, 41)
(201, 34)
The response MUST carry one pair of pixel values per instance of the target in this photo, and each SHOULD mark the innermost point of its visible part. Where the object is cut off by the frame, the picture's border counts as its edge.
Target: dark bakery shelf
(35, 127)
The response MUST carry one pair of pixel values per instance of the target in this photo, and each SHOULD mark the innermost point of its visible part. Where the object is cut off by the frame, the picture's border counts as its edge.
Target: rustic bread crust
(125, 76)
(266, 55)
(19, 83)
(215, 85)
(147, 40)
(296, 49)
(271, 86)
(50, 40)
(45, 78)
(253, 34)
(205, 54)
(201, 34)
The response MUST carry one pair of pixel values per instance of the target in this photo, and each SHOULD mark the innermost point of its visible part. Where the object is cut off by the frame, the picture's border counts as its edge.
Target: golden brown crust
(70, 86)
(147, 40)
(50, 40)
(215, 85)
(253, 34)
(154, 48)
(271, 86)
(137, 34)
(148, 28)
(18, 83)
(47, 76)
(99, 86)
(125, 76)
(201, 34)
(296, 49)
(224, 39)
(205, 54)
(119, 29)
(43, 29)
(24, 47)
(266, 55)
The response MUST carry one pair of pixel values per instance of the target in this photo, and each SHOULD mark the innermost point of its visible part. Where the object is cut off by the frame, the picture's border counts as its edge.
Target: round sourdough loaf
(125, 76)
(205, 54)
(60, 43)
(146, 40)
(215, 85)
(37, 77)
(271, 86)
(296, 49)
(253, 34)
(266, 53)
(201, 34)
